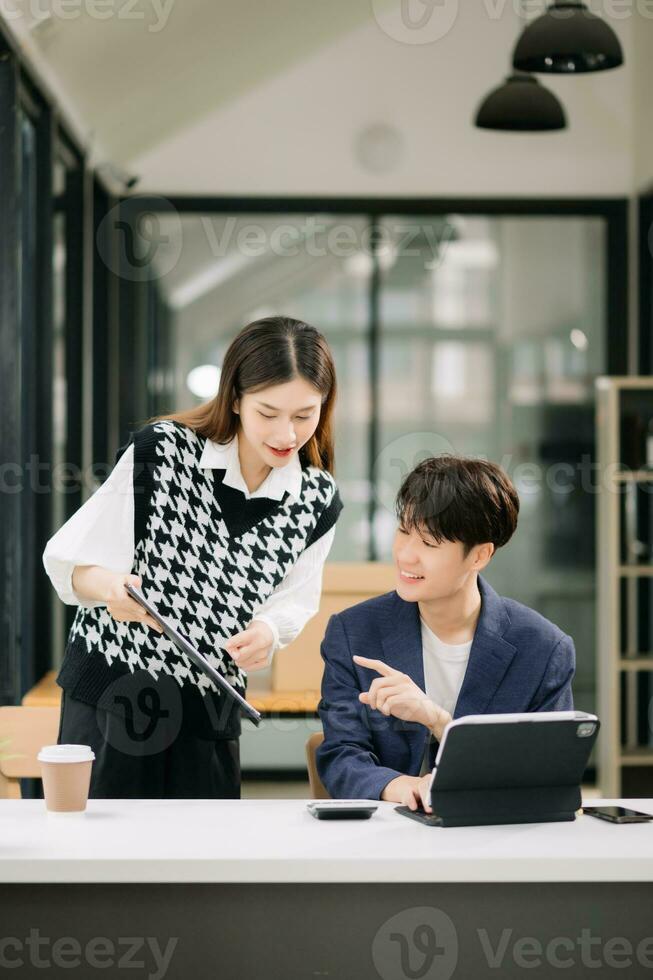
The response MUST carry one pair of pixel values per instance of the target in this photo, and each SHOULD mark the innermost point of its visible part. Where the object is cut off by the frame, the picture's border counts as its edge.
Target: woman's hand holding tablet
(184, 644)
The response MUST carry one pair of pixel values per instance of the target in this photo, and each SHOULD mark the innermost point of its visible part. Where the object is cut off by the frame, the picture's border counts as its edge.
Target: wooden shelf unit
(616, 617)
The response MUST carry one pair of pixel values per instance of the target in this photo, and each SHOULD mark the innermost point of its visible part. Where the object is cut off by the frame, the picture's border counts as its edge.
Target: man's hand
(419, 795)
(250, 649)
(397, 694)
(411, 791)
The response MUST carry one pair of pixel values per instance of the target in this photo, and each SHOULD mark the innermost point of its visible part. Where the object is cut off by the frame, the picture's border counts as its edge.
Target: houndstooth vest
(208, 559)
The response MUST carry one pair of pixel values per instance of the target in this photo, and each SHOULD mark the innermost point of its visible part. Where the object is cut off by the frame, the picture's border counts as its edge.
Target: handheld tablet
(184, 644)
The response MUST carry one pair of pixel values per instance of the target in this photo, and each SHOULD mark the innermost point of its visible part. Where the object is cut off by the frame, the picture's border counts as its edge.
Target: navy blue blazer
(519, 661)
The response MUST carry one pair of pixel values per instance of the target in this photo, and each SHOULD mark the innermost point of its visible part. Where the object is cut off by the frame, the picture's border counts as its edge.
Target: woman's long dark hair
(269, 351)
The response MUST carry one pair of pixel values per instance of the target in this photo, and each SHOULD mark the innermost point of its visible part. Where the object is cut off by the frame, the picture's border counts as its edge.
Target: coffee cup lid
(66, 753)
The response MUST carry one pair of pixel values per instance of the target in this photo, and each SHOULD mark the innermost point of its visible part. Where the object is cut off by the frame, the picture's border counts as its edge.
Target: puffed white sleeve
(100, 532)
(297, 597)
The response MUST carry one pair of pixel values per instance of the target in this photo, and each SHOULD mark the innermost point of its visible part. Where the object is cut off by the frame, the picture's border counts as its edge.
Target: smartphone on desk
(341, 809)
(617, 814)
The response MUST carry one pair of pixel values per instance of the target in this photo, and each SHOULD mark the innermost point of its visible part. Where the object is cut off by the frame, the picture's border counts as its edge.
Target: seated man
(399, 666)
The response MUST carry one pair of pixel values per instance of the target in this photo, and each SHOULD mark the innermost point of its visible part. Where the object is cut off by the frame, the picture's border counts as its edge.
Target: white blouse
(101, 532)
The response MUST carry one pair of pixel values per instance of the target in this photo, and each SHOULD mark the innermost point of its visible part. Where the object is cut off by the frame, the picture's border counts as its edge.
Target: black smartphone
(617, 814)
(341, 809)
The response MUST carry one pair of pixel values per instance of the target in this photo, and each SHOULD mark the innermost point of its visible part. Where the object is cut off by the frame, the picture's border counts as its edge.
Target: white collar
(279, 480)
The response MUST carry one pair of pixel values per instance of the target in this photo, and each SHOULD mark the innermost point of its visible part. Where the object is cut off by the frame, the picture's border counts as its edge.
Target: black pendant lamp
(521, 104)
(567, 39)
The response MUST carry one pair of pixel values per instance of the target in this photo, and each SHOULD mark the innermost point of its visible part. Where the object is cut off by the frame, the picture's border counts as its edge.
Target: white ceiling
(154, 66)
(271, 97)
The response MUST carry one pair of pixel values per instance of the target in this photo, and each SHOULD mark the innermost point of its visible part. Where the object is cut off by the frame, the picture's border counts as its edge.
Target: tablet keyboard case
(531, 774)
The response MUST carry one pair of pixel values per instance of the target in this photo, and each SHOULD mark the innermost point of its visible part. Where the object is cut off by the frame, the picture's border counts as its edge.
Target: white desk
(236, 880)
(279, 841)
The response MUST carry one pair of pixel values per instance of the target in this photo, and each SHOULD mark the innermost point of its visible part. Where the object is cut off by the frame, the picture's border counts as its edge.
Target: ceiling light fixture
(567, 39)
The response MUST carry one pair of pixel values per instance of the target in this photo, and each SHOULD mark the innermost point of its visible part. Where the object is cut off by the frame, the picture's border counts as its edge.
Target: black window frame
(26, 369)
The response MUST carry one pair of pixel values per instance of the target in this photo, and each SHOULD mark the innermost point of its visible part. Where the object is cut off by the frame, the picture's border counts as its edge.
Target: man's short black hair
(455, 498)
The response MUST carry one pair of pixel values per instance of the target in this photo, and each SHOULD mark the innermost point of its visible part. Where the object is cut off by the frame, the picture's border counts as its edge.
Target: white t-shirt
(444, 668)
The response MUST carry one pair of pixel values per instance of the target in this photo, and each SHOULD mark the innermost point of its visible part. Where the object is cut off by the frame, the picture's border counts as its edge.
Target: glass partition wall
(490, 348)
(463, 331)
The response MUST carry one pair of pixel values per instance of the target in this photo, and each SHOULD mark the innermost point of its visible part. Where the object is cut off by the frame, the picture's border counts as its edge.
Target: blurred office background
(171, 172)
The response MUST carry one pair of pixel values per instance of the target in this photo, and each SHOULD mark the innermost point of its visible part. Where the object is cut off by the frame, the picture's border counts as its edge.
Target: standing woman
(224, 515)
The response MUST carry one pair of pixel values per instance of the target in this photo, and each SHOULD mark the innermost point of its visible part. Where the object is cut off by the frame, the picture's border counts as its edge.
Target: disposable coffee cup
(66, 774)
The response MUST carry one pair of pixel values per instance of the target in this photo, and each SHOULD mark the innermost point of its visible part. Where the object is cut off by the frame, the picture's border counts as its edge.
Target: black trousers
(127, 767)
